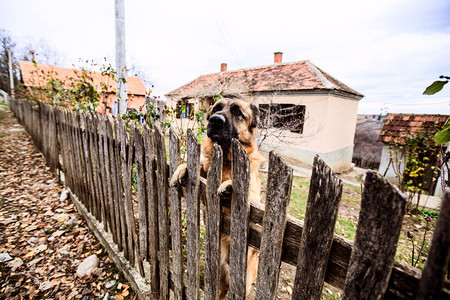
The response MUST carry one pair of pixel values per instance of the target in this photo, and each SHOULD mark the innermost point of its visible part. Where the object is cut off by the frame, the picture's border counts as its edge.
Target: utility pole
(121, 96)
(11, 78)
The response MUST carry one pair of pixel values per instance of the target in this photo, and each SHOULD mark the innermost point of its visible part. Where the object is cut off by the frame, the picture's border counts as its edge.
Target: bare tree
(7, 43)
(226, 87)
(41, 52)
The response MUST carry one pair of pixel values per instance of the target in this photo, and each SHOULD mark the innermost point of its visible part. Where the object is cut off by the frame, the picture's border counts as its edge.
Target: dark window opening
(283, 116)
(185, 109)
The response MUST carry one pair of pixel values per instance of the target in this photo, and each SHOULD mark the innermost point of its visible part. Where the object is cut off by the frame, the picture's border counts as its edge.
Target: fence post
(212, 223)
(163, 212)
(379, 225)
(325, 192)
(433, 274)
(153, 232)
(193, 216)
(142, 195)
(240, 166)
(279, 184)
(175, 219)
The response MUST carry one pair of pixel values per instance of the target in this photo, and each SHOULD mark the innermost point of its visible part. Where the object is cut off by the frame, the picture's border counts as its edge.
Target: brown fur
(245, 125)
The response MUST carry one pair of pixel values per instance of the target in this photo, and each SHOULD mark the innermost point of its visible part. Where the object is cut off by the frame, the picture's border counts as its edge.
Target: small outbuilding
(398, 130)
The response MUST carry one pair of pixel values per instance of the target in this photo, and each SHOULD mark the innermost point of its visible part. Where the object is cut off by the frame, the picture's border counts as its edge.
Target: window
(283, 116)
(185, 109)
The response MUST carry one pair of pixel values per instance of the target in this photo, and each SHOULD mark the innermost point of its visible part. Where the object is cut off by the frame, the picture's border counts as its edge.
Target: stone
(87, 266)
(4, 257)
(110, 283)
(64, 195)
(45, 285)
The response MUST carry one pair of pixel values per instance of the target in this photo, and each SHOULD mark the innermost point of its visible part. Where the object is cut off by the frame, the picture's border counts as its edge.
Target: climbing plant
(415, 161)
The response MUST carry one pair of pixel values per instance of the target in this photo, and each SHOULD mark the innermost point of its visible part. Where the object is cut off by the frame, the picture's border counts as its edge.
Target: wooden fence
(120, 172)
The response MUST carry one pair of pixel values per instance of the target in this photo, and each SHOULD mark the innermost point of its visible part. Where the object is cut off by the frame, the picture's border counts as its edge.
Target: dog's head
(230, 119)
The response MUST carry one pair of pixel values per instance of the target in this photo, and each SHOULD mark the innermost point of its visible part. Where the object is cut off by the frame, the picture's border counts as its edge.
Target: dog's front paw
(180, 176)
(225, 189)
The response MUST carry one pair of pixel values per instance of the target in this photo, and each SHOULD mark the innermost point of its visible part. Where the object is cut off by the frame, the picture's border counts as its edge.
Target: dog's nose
(217, 121)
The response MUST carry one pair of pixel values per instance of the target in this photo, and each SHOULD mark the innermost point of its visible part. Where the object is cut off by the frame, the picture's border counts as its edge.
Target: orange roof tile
(296, 76)
(30, 72)
(397, 126)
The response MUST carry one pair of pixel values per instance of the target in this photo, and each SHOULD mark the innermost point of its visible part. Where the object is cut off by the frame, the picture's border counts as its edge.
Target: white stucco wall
(391, 169)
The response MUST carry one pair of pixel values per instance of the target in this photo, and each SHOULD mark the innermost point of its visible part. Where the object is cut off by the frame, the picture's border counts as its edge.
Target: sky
(389, 51)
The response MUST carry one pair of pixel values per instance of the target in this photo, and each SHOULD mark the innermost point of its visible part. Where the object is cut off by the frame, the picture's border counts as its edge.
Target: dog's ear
(255, 117)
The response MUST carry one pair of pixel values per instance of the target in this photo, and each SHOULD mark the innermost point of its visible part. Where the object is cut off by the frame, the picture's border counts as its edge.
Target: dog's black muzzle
(219, 129)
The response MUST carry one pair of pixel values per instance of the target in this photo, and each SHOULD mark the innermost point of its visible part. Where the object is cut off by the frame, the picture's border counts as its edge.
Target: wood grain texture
(119, 191)
(175, 220)
(438, 258)
(279, 184)
(141, 194)
(212, 223)
(193, 217)
(88, 166)
(379, 225)
(153, 227)
(317, 236)
(240, 210)
(163, 213)
(112, 174)
(103, 179)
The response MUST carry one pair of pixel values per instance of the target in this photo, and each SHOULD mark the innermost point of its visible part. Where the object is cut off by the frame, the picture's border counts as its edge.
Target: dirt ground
(42, 238)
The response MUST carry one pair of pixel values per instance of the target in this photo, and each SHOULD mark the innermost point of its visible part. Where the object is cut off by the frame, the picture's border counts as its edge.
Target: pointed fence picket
(120, 173)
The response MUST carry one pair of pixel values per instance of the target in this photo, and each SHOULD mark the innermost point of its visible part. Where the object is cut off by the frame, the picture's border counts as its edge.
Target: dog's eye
(216, 108)
(236, 111)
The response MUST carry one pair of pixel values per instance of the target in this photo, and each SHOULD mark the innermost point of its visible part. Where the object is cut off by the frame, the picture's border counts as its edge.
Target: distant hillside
(367, 149)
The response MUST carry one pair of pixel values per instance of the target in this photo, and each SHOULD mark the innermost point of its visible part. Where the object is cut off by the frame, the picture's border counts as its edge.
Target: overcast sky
(388, 50)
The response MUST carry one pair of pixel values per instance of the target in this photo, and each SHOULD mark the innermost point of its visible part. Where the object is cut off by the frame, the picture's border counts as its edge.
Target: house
(37, 75)
(304, 110)
(397, 129)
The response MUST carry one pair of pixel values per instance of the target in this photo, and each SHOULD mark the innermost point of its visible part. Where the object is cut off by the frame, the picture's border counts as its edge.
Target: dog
(228, 119)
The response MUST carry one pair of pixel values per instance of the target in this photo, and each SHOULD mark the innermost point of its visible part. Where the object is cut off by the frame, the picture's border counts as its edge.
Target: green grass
(351, 197)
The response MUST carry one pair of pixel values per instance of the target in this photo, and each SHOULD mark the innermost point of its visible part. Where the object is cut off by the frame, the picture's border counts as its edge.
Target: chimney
(277, 58)
(223, 67)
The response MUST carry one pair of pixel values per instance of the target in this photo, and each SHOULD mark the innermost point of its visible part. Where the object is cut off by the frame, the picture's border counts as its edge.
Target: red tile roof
(30, 77)
(397, 126)
(296, 76)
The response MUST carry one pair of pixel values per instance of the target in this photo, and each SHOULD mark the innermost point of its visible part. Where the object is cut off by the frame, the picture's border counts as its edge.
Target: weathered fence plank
(175, 220)
(212, 223)
(317, 236)
(142, 196)
(379, 225)
(98, 129)
(240, 210)
(163, 213)
(193, 217)
(88, 165)
(98, 187)
(126, 173)
(93, 153)
(117, 164)
(279, 184)
(107, 180)
(153, 232)
(430, 285)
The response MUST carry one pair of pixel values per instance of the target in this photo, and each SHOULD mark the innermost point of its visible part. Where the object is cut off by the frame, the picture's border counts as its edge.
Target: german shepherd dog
(228, 119)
